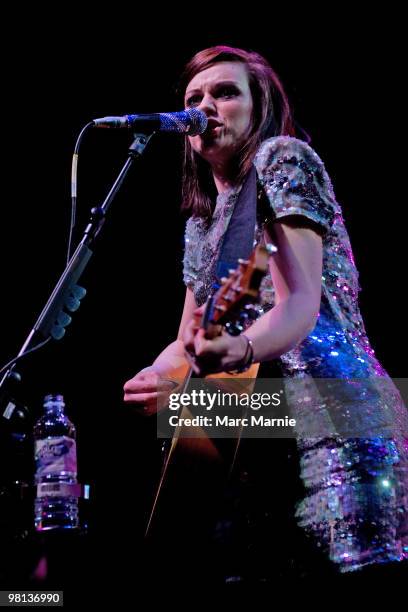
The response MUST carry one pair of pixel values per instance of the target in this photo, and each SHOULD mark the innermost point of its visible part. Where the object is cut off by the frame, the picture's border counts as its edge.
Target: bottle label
(55, 455)
(58, 489)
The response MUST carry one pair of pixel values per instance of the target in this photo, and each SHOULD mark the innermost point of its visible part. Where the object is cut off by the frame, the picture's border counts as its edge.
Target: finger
(199, 311)
(196, 369)
(190, 357)
(165, 386)
(139, 386)
(190, 330)
(189, 343)
(201, 344)
(140, 398)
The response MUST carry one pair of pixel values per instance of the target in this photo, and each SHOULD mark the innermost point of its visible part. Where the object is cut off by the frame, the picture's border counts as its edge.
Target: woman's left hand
(225, 352)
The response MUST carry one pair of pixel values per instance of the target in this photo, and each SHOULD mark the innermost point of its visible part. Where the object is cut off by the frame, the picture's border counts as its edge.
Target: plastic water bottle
(56, 505)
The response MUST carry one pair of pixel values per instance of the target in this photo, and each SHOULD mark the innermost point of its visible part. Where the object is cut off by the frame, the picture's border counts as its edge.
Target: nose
(207, 105)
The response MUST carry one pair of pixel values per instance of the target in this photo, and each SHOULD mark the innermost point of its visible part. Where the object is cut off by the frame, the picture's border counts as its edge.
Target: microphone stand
(16, 492)
(53, 319)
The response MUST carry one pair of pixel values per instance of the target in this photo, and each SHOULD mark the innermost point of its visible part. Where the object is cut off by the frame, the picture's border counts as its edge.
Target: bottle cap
(54, 398)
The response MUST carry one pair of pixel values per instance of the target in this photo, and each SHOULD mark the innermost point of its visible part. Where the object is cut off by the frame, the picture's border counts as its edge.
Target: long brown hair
(271, 116)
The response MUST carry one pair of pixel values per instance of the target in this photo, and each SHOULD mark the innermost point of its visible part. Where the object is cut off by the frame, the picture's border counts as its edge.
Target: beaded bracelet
(247, 360)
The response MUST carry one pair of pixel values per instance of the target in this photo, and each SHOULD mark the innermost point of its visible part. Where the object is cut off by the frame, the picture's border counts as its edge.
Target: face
(222, 92)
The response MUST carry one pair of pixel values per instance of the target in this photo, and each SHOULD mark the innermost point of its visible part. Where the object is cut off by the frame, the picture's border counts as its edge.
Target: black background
(343, 76)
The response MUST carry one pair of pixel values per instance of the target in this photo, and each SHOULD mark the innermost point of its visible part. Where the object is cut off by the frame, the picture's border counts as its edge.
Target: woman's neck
(224, 178)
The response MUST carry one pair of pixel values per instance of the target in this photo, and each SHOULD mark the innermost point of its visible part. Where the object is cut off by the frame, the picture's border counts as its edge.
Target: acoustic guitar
(195, 465)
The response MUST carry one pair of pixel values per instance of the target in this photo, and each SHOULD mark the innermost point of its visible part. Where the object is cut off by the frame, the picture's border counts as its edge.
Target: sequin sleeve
(295, 181)
(190, 260)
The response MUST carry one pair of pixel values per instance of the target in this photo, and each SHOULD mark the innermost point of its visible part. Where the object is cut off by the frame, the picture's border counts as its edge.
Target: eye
(227, 91)
(193, 100)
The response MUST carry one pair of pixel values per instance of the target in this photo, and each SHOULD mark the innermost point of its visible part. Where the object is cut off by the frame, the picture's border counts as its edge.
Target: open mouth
(212, 124)
(213, 128)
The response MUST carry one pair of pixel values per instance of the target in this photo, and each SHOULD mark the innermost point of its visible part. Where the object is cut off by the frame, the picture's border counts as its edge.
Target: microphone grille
(198, 123)
(190, 121)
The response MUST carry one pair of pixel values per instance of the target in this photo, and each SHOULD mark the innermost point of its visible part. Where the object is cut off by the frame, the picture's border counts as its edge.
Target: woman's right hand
(148, 391)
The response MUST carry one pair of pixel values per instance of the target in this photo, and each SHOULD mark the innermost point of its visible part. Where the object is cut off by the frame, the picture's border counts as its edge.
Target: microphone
(190, 121)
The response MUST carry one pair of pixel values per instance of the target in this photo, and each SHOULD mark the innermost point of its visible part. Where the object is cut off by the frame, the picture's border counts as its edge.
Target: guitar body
(196, 466)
